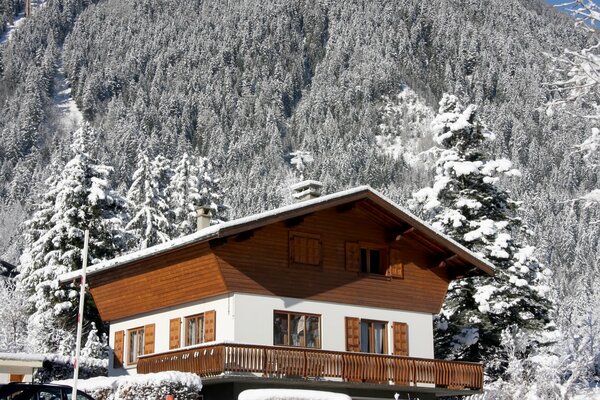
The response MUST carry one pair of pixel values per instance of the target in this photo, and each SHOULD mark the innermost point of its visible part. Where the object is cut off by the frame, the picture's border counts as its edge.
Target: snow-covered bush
(61, 367)
(183, 385)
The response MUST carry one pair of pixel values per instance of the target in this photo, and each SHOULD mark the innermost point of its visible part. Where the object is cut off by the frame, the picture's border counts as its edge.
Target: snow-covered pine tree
(13, 329)
(96, 345)
(79, 198)
(184, 197)
(146, 196)
(211, 192)
(466, 203)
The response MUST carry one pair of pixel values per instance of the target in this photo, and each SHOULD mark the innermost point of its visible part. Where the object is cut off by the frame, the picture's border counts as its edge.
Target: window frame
(371, 336)
(383, 258)
(132, 358)
(287, 338)
(201, 332)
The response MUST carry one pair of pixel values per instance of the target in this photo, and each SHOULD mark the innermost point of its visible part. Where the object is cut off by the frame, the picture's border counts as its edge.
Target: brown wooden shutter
(352, 334)
(174, 333)
(118, 350)
(396, 269)
(400, 339)
(209, 326)
(352, 257)
(313, 251)
(304, 248)
(149, 339)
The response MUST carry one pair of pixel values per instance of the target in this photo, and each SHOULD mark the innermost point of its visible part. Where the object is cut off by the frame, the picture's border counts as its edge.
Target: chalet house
(334, 293)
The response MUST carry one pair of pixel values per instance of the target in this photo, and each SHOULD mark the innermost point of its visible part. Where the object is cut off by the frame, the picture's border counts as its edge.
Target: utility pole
(27, 8)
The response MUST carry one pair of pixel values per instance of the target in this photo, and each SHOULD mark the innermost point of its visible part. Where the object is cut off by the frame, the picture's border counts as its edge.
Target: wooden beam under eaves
(244, 236)
(217, 242)
(295, 221)
(342, 208)
(446, 260)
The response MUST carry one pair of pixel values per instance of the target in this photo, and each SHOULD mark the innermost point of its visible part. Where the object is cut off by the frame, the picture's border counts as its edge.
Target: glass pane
(280, 329)
(379, 330)
(297, 330)
(79, 396)
(375, 261)
(49, 394)
(132, 346)
(364, 336)
(140, 345)
(363, 260)
(313, 332)
(191, 332)
(200, 337)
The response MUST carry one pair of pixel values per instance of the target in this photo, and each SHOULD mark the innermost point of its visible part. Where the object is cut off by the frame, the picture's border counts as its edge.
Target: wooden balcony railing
(274, 361)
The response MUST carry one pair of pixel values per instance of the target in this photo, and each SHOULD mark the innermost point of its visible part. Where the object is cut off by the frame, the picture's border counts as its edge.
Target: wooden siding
(259, 264)
(184, 275)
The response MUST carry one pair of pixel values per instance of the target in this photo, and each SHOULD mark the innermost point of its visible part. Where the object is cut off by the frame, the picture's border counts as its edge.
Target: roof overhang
(20, 363)
(409, 224)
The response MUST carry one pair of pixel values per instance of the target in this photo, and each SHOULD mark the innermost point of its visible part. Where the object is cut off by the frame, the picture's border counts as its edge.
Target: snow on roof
(290, 394)
(23, 357)
(215, 231)
(41, 357)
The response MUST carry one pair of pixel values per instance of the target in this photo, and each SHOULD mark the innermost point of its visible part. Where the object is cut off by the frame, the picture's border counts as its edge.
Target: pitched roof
(392, 210)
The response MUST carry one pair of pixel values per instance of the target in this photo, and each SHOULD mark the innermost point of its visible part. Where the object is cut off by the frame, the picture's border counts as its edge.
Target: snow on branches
(466, 203)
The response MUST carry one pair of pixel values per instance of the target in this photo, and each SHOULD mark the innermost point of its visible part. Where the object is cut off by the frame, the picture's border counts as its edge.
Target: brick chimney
(306, 190)
(203, 217)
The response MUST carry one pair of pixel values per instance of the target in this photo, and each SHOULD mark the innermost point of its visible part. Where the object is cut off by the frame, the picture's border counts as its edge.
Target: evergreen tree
(149, 225)
(13, 329)
(79, 198)
(466, 203)
(184, 197)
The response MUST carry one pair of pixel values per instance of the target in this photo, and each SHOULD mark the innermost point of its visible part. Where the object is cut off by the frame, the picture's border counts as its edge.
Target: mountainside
(245, 83)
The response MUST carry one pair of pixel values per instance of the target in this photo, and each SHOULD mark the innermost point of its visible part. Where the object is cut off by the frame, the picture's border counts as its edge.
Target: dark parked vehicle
(39, 391)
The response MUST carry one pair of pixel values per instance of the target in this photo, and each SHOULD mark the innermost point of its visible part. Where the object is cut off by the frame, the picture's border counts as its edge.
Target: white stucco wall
(254, 321)
(224, 326)
(248, 318)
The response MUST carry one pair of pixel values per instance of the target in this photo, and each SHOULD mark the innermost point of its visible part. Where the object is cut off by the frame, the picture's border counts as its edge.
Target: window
(373, 337)
(194, 330)
(370, 261)
(294, 329)
(200, 328)
(135, 344)
(305, 249)
(373, 258)
(370, 336)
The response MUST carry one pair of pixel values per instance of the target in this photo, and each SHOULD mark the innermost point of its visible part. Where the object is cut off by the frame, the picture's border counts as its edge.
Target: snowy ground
(71, 117)
(6, 36)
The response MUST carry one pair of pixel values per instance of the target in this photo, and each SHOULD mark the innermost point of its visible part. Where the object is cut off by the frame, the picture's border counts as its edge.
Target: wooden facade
(313, 253)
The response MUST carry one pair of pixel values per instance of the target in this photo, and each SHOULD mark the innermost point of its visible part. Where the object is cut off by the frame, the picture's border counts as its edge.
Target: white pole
(80, 315)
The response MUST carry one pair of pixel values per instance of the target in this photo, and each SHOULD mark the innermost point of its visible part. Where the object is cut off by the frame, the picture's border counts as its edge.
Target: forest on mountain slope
(246, 83)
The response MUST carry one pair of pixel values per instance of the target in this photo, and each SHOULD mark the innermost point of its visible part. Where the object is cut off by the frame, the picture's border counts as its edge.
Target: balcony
(286, 362)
